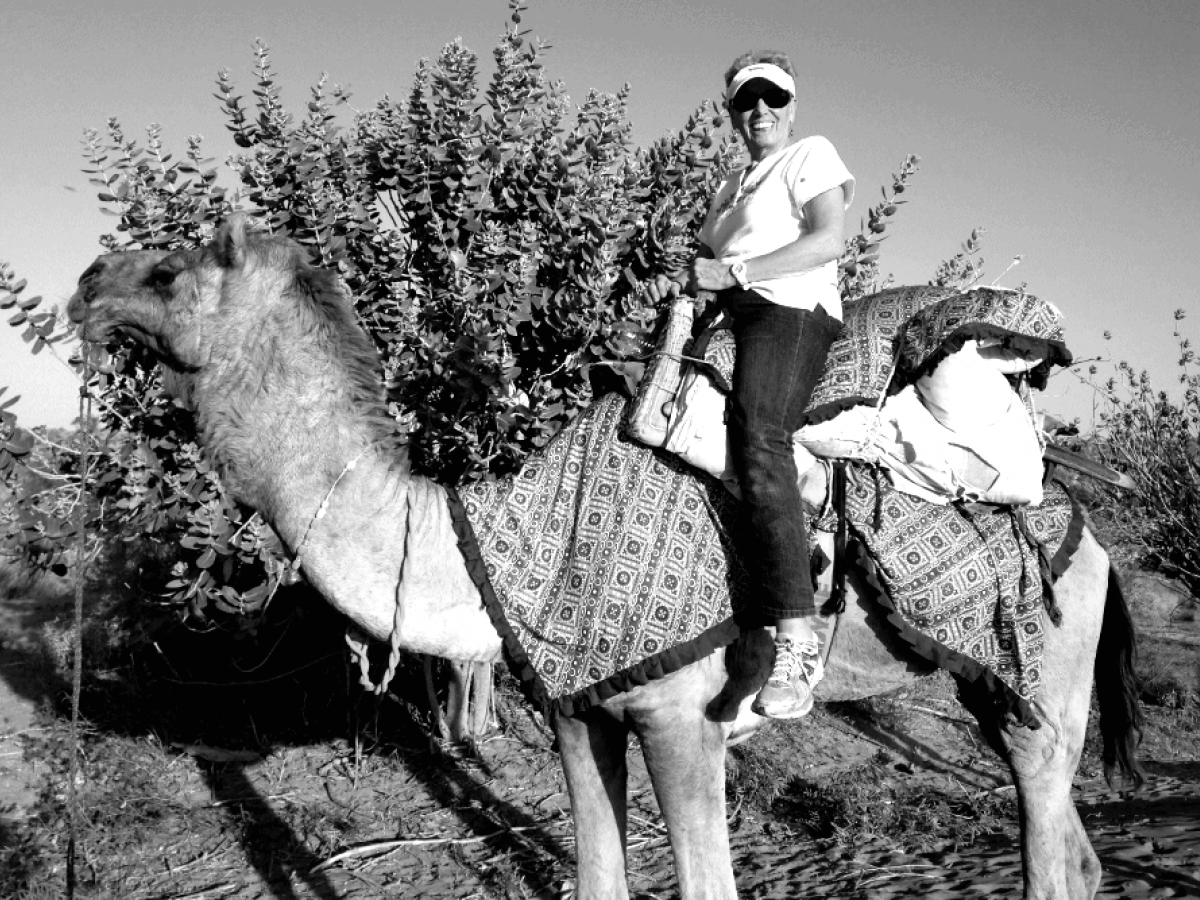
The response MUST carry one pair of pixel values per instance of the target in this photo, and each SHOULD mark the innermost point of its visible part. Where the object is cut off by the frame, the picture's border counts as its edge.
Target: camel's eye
(161, 277)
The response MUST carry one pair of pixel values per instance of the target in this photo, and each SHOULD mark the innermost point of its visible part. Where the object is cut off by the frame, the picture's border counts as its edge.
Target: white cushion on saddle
(1000, 462)
(851, 434)
(697, 433)
(967, 390)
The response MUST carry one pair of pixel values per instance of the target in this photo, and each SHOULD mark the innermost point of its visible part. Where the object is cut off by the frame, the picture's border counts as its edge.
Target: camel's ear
(230, 241)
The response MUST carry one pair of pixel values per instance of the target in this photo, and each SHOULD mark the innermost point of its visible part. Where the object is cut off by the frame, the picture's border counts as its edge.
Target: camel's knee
(1054, 747)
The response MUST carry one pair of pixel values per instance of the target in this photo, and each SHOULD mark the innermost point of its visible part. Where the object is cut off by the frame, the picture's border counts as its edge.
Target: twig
(940, 715)
(205, 892)
(252, 799)
(647, 823)
(886, 873)
(51, 443)
(376, 847)
(203, 857)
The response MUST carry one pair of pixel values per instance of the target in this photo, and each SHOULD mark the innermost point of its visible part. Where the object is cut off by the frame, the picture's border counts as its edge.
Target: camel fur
(285, 389)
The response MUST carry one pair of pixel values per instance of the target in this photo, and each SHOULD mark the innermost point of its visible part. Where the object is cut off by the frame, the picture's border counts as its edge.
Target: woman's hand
(704, 274)
(663, 288)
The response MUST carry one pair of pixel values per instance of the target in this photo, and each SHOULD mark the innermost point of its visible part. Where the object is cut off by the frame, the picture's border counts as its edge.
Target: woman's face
(764, 128)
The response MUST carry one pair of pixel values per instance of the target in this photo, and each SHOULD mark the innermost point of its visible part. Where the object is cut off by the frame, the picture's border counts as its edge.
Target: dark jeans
(780, 357)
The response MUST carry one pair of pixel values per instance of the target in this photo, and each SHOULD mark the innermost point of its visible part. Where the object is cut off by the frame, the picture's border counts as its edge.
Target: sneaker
(788, 693)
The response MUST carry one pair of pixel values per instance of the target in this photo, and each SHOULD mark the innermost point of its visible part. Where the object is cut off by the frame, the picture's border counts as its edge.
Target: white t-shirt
(760, 209)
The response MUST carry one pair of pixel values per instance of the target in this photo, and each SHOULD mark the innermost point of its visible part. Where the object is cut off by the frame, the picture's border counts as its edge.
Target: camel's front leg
(685, 755)
(593, 758)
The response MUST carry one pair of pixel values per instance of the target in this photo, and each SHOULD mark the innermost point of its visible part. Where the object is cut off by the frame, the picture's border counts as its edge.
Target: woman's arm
(826, 213)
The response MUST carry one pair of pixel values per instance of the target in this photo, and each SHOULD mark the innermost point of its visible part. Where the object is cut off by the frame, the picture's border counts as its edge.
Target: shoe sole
(757, 709)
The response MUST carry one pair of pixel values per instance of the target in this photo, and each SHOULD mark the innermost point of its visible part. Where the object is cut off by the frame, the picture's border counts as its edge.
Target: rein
(355, 639)
(358, 642)
(292, 570)
(73, 773)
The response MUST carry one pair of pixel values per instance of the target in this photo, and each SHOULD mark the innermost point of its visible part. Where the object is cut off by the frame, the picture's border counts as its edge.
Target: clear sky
(1069, 130)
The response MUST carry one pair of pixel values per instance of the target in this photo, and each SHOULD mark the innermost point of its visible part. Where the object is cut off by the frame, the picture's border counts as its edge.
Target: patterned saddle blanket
(605, 564)
(965, 587)
(602, 563)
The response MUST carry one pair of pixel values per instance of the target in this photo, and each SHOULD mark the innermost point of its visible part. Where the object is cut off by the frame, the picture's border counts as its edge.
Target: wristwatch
(738, 271)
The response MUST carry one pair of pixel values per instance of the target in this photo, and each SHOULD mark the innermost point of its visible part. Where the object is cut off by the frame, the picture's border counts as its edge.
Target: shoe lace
(793, 658)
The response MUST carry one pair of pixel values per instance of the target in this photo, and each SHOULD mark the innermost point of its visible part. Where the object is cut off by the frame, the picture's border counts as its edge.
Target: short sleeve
(815, 169)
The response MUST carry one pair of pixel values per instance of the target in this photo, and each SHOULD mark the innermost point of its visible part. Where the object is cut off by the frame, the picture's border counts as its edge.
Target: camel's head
(248, 308)
(162, 299)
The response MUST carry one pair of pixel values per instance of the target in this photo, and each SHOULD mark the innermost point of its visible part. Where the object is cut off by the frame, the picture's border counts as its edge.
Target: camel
(285, 389)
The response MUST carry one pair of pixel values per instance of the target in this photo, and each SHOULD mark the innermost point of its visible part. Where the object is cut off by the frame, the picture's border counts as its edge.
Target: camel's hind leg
(1059, 860)
(593, 757)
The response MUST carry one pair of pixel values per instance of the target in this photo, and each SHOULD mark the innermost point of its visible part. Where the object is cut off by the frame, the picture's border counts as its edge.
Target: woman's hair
(774, 57)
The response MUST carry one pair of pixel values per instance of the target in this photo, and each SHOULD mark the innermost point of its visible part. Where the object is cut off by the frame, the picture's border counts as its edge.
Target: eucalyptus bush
(496, 242)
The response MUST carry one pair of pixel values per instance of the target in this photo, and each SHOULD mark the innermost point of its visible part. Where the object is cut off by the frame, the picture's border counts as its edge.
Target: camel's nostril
(91, 272)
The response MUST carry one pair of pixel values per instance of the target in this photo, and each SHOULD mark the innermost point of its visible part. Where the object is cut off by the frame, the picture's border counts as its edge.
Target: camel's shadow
(286, 687)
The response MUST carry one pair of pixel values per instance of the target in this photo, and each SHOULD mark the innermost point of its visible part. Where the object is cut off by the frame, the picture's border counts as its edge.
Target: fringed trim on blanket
(518, 660)
(1054, 351)
(650, 669)
(1053, 567)
(1004, 699)
(1071, 540)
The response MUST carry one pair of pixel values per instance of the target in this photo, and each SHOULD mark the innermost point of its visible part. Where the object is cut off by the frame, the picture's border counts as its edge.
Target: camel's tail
(1117, 688)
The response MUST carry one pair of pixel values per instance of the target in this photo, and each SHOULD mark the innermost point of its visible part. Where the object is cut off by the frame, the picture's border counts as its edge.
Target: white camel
(285, 389)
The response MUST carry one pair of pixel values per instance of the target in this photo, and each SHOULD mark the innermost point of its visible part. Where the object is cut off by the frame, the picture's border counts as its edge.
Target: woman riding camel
(769, 248)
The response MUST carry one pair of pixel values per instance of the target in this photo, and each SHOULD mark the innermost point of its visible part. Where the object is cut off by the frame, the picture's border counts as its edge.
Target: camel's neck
(279, 416)
(289, 434)
(387, 542)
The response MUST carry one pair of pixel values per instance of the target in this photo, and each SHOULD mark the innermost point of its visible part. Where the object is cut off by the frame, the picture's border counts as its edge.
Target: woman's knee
(764, 460)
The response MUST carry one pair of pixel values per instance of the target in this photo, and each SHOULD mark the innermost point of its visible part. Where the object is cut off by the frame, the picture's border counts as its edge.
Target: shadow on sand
(286, 687)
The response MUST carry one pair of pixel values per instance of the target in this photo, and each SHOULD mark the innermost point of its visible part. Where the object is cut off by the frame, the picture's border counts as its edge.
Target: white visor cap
(769, 71)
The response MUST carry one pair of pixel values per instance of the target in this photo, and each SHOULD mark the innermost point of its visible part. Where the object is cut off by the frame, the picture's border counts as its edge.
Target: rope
(73, 774)
(358, 642)
(681, 357)
(292, 569)
(355, 639)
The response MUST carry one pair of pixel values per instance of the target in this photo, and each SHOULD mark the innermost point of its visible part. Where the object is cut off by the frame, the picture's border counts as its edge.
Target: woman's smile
(765, 130)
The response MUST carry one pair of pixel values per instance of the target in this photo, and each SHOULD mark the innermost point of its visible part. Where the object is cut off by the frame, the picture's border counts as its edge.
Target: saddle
(931, 385)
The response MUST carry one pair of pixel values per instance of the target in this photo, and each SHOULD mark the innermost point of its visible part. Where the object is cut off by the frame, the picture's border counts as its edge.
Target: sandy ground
(440, 825)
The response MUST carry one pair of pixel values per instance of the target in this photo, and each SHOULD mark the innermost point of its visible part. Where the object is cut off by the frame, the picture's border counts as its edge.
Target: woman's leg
(780, 356)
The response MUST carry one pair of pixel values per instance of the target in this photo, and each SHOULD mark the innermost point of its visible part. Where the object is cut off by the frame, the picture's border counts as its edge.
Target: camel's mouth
(89, 325)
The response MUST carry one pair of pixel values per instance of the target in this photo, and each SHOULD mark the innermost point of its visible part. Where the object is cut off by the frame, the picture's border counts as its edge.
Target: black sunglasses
(747, 98)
